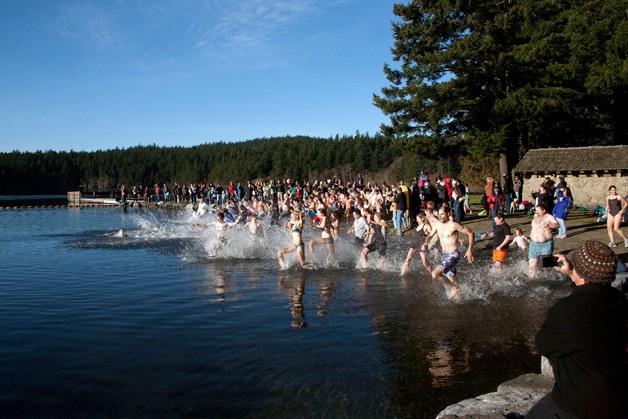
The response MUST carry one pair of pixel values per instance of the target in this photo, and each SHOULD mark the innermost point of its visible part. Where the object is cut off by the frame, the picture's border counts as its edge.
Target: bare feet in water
(455, 292)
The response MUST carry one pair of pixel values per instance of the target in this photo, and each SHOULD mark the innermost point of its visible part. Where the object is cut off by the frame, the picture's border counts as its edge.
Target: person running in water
(376, 240)
(422, 231)
(295, 226)
(447, 232)
(221, 226)
(323, 224)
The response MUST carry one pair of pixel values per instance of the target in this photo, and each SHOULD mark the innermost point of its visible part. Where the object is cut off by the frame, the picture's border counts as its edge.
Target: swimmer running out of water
(295, 226)
(447, 232)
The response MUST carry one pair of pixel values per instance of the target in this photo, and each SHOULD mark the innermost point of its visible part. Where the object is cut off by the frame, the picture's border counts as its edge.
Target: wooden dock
(76, 200)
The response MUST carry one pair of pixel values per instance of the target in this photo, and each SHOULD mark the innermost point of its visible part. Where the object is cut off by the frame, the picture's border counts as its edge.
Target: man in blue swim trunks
(447, 231)
(541, 238)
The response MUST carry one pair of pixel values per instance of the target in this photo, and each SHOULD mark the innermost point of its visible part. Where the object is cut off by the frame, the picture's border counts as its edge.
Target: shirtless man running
(447, 231)
(541, 238)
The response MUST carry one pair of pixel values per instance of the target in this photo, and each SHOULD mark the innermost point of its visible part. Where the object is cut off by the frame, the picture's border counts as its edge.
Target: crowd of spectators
(399, 202)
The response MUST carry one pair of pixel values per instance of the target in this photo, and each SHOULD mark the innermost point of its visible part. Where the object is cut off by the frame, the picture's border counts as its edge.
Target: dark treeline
(299, 157)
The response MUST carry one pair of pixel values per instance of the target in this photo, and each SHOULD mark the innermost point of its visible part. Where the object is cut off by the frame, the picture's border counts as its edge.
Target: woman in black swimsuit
(614, 214)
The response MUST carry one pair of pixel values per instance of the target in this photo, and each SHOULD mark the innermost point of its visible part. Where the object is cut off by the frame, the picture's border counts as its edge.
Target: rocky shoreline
(513, 399)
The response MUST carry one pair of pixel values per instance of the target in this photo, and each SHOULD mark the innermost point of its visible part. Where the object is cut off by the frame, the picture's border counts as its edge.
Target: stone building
(588, 171)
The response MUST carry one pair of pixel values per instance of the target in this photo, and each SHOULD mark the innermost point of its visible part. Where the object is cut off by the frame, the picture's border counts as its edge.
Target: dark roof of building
(574, 159)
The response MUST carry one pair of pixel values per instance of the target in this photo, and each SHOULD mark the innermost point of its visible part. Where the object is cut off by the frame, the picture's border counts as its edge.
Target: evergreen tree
(499, 77)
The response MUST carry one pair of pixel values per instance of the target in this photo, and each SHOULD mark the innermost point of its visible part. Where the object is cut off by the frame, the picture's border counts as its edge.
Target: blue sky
(90, 75)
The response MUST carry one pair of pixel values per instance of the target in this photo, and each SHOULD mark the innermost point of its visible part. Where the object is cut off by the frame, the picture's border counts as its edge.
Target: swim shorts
(539, 249)
(448, 263)
(380, 247)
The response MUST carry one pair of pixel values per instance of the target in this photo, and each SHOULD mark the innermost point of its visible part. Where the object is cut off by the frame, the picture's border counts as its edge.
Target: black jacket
(547, 200)
(400, 200)
(584, 336)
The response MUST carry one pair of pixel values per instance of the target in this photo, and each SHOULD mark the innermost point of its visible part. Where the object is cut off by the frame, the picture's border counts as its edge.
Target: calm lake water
(152, 326)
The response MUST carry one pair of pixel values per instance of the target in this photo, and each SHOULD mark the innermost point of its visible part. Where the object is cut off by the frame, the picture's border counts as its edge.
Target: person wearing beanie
(584, 337)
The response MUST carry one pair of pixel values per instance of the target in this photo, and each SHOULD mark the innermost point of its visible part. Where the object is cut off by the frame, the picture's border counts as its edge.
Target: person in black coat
(429, 192)
(545, 197)
(584, 337)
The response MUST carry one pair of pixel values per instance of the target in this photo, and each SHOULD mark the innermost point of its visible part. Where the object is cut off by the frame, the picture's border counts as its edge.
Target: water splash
(197, 243)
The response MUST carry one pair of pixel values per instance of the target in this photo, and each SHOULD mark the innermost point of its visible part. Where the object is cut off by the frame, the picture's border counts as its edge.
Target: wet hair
(611, 187)
(445, 207)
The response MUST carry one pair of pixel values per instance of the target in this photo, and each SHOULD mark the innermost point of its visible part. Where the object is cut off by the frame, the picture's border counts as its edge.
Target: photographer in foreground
(584, 337)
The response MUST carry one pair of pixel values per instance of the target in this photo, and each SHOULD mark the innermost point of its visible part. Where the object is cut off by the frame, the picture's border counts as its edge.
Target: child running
(520, 240)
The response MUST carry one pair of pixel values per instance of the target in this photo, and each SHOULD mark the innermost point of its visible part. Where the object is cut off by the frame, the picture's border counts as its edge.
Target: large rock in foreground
(513, 399)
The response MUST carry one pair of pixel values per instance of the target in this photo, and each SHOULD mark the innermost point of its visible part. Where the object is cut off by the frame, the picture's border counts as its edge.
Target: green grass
(474, 199)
